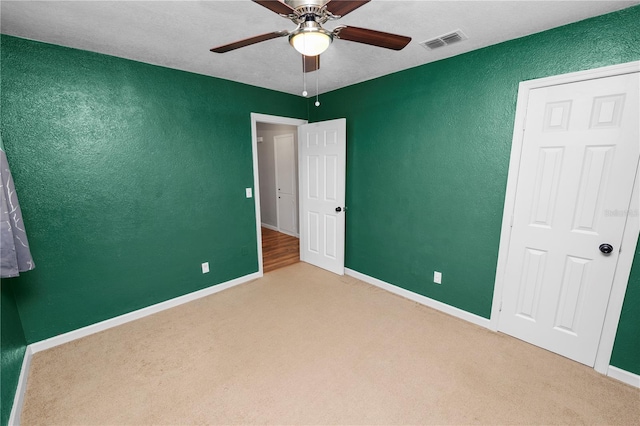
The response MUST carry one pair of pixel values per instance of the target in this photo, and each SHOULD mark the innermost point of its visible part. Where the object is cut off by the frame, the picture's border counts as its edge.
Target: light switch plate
(249, 192)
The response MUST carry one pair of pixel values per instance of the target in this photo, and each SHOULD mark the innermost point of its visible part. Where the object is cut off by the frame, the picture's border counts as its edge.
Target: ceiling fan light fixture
(310, 39)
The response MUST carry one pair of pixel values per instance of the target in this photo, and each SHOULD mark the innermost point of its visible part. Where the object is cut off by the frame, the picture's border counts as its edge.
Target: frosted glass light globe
(310, 43)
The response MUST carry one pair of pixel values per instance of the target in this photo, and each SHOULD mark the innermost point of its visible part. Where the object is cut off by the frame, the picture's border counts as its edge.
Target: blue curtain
(15, 256)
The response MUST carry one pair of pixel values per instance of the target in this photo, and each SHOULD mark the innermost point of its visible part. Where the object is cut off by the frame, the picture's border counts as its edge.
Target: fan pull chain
(304, 77)
(317, 91)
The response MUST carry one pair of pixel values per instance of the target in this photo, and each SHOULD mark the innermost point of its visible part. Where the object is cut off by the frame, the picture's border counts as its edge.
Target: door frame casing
(632, 228)
(272, 119)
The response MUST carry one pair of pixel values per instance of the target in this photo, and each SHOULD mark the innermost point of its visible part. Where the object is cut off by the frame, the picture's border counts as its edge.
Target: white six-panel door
(322, 155)
(579, 157)
(286, 185)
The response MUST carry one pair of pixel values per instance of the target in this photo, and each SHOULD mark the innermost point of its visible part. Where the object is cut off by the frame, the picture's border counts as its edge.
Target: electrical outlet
(437, 277)
(248, 192)
(205, 268)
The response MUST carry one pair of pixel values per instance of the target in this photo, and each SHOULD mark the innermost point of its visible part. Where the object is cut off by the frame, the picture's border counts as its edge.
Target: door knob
(338, 209)
(606, 248)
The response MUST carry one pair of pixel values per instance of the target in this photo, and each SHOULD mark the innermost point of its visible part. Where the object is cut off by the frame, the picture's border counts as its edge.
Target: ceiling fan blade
(372, 37)
(310, 63)
(275, 6)
(342, 7)
(249, 41)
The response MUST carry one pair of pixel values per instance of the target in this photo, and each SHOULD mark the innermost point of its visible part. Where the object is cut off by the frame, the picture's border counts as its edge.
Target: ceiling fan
(309, 38)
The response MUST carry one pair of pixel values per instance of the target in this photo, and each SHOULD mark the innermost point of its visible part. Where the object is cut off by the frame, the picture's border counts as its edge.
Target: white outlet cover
(205, 267)
(437, 277)
(248, 192)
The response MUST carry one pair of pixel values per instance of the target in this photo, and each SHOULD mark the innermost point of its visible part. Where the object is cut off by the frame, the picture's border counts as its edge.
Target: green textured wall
(428, 155)
(12, 348)
(129, 177)
(626, 350)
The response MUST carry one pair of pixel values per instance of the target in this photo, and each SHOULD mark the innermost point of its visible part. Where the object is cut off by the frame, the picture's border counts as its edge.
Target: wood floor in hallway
(279, 249)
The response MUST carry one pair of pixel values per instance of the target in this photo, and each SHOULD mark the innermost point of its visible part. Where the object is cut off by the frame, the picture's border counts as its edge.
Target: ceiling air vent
(444, 40)
(433, 44)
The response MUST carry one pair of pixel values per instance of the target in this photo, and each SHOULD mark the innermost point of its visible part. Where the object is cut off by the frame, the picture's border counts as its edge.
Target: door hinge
(500, 308)
(512, 221)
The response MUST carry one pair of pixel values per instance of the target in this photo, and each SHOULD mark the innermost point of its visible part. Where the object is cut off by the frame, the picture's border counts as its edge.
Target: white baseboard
(14, 419)
(42, 345)
(624, 376)
(266, 225)
(140, 313)
(613, 372)
(275, 228)
(443, 307)
(292, 234)
(21, 389)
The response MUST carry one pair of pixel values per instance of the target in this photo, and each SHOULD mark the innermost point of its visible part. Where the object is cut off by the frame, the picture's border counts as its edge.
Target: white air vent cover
(444, 40)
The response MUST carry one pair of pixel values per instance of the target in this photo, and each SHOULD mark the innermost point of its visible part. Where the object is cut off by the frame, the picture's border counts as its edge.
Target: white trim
(18, 401)
(611, 371)
(423, 300)
(624, 376)
(61, 339)
(275, 172)
(620, 282)
(21, 389)
(603, 72)
(632, 229)
(291, 234)
(273, 228)
(272, 119)
(140, 313)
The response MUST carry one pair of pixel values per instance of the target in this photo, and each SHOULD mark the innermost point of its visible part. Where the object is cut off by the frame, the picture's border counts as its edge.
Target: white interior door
(286, 184)
(577, 168)
(322, 154)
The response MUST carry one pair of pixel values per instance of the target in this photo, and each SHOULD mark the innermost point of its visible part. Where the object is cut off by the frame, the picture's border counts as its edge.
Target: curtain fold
(15, 256)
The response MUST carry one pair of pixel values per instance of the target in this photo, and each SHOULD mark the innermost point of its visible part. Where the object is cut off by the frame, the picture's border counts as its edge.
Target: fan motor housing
(295, 4)
(304, 10)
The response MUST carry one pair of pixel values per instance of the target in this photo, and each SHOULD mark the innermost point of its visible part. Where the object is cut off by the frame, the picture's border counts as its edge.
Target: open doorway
(278, 174)
(276, 170)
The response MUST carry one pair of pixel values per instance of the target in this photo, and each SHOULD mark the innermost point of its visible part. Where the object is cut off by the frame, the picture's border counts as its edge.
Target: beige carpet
(303, 346)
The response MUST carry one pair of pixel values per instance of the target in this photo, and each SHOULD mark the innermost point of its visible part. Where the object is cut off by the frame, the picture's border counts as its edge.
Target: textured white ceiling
(179, 34)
